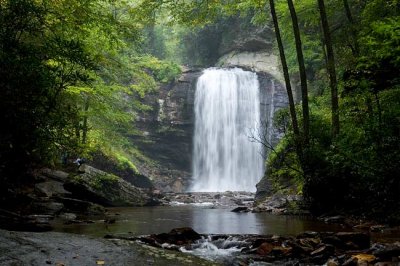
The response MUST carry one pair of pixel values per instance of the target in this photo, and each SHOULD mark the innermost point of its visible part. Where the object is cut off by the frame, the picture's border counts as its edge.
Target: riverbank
(307, 248)
(62, 249)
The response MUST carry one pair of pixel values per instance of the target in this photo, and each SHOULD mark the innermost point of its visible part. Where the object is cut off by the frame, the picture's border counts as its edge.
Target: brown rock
(332, 262)
(309, 242)
(265, 248)
(281, 251)
(325, 250)
(364, 259)
(350, 262)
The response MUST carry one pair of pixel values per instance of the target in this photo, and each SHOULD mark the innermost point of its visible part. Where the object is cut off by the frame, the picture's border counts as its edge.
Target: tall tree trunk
(287, 81)
(85, 120)
(303, 76)
(356, 50)
(331, 69)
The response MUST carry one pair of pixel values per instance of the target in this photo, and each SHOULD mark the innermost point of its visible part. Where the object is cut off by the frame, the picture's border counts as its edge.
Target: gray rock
(68, 216)
(54, 174)
(47, 207)
(52, 188)
(37, 249)
(106, 189)
(241, 209)
(81, 206)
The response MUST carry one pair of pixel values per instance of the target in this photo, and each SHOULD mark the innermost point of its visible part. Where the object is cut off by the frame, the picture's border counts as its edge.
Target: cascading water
(227, 114)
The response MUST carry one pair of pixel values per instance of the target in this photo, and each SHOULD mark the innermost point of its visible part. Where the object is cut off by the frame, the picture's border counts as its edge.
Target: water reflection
(222, 221)
(154, 220)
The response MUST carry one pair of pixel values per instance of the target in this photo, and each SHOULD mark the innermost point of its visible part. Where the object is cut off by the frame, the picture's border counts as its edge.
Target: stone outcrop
(167, 133)
(245, 37)
(106, 189)
(257, 61)
(102, 162)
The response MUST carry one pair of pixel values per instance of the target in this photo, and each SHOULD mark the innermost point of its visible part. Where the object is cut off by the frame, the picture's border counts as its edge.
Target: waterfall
(227, 113)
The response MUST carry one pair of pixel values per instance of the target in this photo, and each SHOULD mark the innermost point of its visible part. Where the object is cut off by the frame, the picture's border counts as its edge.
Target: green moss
(123, 163)
(97, 181)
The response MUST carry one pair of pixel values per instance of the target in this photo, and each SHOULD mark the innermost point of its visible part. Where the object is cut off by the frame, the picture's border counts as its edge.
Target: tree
(67, 68)
(331, 68)
(356, 49)
(285, 70)
(303, 75)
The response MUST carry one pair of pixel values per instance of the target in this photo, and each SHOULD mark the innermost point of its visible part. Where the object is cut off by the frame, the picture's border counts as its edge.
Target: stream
(207, 219)
(202, 218)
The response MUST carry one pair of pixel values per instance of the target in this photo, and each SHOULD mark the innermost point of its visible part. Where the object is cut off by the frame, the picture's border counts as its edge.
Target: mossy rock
(104, 188)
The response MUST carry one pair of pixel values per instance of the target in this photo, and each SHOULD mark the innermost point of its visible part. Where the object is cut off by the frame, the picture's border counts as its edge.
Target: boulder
(46, 207)
(54, 174)
(105, 189)
(241, 209)
(52, 188)
(265, 249)
(178, 236)
(81, 206)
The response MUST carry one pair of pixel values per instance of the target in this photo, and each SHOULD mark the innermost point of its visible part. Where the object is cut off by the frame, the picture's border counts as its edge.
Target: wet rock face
(168, 129)
(167, 134)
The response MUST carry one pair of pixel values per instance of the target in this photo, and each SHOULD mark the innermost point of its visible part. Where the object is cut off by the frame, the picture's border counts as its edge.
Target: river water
(202, 218)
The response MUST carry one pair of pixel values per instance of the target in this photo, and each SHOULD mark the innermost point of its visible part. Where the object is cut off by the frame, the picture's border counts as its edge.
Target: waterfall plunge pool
(204, 219)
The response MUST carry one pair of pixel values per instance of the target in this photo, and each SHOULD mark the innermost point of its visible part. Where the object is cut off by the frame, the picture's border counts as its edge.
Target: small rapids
(220, 249)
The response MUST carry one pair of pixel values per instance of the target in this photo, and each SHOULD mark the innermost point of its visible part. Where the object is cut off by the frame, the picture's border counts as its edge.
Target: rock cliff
(168, 129)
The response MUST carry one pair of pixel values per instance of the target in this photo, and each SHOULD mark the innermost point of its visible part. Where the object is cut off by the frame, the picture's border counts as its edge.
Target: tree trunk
(331, 69)
(303, 76)
(287, 80)
(85, 120)
(356, 50)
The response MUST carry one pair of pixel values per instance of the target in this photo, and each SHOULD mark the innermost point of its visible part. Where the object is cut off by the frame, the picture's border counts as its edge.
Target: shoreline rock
(50, 193)
(51, 248)
(308, 248)
(106, 189)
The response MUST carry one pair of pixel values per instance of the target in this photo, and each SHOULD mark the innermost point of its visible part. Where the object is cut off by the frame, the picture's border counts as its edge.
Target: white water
(215, 249)
(227, 113)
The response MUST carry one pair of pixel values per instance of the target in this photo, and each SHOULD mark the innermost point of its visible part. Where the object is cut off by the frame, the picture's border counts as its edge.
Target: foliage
(284, 169)
(357, 171)
(163, 71)
(197, 33)
(73, 79)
